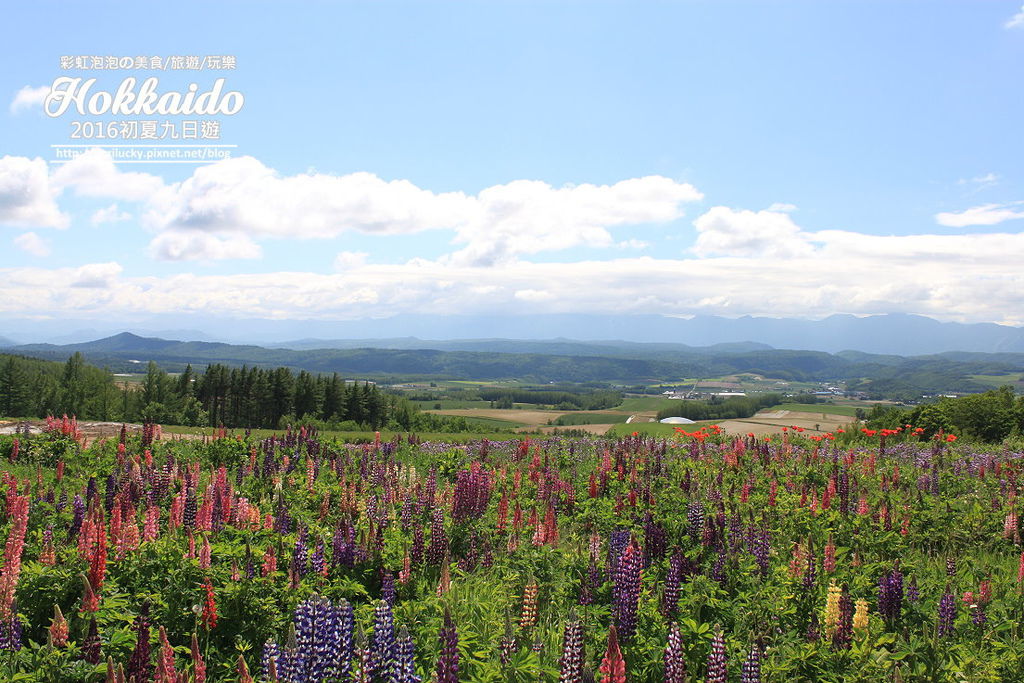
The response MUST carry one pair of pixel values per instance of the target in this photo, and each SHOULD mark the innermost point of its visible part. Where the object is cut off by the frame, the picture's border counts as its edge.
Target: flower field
(861, 556)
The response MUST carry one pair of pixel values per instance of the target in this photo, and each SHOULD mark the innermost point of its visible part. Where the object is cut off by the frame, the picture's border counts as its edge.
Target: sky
(770, 158)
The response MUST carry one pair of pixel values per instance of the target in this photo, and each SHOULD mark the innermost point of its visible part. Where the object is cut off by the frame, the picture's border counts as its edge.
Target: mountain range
(897, 334)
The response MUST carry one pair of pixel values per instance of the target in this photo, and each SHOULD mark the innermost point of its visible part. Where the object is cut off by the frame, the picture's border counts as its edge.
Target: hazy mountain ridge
(892, 334)
(628, 362)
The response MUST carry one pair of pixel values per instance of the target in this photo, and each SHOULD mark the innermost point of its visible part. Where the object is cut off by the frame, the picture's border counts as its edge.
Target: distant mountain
(562, 347)
(884, 375)
(892, 334)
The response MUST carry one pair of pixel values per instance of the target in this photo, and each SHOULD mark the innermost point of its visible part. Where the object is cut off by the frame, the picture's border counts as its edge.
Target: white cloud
(243, 196)
(633, 244)
(94, 174)
(986, 214)
(200, 246)
(723, 231)
(983, 181)
(26, 197)
(33, 244)
(1017, 20)
(782, 207)
(969, 278)
(29, 98)
(110, 214)
(350, 260)
(94, 275)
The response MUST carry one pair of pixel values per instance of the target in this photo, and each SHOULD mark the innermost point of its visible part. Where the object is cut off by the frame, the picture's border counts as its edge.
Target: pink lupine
(12, 555)
(58, 631)
(204, 554)
(151, 529)
(165, 672)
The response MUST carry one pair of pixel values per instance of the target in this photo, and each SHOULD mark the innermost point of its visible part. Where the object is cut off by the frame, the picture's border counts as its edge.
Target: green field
(644, 404)
(996, 381)
(819, 408)
(574, 419)
(651, 429)
(362, 437)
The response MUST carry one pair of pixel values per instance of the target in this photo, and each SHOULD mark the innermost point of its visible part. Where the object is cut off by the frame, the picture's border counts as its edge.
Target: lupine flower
(209, 606)
(448, 660)
(752, 666)
(831, 616)
(674, 656)
(18, 511)
(716, 669)
(528, 617)
(405, 658)
(890, 595)
(92, 643)
(844, 628)
(198, 664)
(58, 632)
(947, 612)
(139, 667)
(613, 666)
(165, 672)
(626, 590)
(383, 645)
(860, 615)
(571, 662)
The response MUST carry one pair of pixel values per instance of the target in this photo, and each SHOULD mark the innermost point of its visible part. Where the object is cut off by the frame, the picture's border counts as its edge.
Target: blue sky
(767, 158)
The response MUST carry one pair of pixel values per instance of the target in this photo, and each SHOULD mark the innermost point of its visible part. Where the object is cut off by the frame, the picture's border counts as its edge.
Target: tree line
(736, 407)
(219, 396)
(992, 416)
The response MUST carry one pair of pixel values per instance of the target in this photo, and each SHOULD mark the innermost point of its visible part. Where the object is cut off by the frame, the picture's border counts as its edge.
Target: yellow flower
(860, 615)
(831, 617)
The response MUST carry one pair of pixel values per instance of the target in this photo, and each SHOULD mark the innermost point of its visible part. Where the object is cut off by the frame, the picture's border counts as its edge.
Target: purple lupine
(675, 657)
(717, 672)
(673, 580)
(406, 658)
(346, 633)
(617, 543)
(655, 540)
(79, 516)
(951, 566)
(947, 612)
(271, 654)
(810, 571)
(695, 520)
(438, 548)
(448, 659)
(387, 587)
(10, 632)
(843, 634)
(752, 666)
(508, 642)
(318, 563)
(91, 646)
(571, 662)
(383, 646)
(626, 591)
(139, 667)
(890, 595)
(188, 516)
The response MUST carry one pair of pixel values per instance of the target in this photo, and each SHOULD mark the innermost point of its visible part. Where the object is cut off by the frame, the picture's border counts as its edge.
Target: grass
(450, 404)
(997, 381)
(358, 436)
(825, 408)
(651, 429)
(644, 404)
(573, 419)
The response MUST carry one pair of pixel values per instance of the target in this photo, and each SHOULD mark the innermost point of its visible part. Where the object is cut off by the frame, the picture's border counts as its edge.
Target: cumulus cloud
(26, 197)
(94, 174)
(1017, 20)
(94, 275)
(29, 98)
(835, 271)
(724, 231)
(243, 196)
(986, 214)
(110, 214)
(33, 244)
(782, 207)
(350, 260)
(200, 246)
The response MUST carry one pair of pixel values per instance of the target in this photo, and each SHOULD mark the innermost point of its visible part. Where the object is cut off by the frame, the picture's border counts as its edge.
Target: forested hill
(892, 375)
